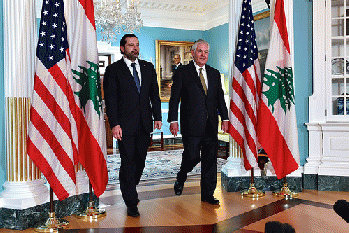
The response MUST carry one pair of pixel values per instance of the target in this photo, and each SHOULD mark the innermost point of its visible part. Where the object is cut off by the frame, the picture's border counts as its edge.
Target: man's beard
(133, 55)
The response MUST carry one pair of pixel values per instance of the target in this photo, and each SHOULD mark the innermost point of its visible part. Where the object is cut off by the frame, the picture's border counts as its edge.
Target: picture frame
(103, 61)
(262, 29)
(165, 52)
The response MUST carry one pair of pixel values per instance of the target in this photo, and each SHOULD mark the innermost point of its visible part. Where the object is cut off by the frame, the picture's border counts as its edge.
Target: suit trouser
(208, 146)
(133, 152)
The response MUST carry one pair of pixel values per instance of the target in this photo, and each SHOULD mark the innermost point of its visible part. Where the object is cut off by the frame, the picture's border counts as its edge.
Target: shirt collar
(129, 62)
(198, 67)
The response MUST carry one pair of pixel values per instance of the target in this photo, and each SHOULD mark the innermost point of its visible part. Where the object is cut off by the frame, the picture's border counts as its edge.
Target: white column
(168, 64)
(24, 187)
(315, 149)
(317, 101)
(181, 53)
(234, 167)
(162, 56)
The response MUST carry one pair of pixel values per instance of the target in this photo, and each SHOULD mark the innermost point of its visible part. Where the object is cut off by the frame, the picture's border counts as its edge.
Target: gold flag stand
(252, 192)
(91, 213)
(52, 224)
(285, 191)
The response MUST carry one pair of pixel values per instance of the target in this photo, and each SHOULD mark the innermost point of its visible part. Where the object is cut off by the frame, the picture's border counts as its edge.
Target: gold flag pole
(285, 191)
(252, 192)
(52, 224)
(91, 213)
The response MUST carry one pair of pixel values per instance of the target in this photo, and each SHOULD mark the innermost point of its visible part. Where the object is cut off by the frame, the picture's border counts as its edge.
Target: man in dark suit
(177, 62)
(198, 87)
(132, 102)
(176, 65)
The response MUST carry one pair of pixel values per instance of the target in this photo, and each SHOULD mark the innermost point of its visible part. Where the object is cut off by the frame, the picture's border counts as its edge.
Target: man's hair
(123, 39)
(200, 41)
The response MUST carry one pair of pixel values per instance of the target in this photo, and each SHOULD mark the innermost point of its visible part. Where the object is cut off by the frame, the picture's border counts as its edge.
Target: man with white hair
(198, 87)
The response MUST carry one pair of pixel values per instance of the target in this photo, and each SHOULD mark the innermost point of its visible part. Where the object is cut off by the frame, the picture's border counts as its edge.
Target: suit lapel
(194, 73)
(210, 79)
(143, 73)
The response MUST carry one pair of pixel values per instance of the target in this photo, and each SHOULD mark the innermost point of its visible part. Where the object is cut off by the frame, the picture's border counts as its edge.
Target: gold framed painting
(168, 54)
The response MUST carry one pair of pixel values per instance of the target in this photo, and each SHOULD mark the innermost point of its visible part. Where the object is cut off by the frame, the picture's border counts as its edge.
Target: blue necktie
(135, 76)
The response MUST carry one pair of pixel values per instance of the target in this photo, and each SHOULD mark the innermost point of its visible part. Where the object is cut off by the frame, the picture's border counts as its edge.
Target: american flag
(246, 89)
(60, 135)
(53, 42)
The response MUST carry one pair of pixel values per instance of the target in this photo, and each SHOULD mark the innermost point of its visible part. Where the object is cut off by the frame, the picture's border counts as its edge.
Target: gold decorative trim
(78, 167)
(262, 15)
(236, 150)
(19, 166)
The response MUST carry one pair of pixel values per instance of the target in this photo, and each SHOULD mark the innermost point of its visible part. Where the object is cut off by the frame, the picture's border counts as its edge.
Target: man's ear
(122, 49)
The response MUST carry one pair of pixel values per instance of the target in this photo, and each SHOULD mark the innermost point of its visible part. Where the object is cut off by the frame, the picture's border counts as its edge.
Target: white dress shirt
(203, 72)
(138, 68)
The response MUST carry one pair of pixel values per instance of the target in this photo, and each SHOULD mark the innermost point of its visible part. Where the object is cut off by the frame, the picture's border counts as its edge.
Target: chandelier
(114, 16)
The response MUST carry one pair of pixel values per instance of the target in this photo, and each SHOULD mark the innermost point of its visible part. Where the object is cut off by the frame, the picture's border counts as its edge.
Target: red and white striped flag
(246, 89)
(277, 126)
(67, 123)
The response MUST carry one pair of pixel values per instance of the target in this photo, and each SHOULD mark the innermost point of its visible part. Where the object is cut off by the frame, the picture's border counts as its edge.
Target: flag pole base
(252, 192)
(53, 224)
(285, 192)
(92, 213)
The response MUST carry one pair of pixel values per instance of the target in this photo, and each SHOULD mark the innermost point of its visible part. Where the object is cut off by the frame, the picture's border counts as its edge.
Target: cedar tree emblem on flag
(280, 87)
(66, 126)
(277, 125)
(90, 82)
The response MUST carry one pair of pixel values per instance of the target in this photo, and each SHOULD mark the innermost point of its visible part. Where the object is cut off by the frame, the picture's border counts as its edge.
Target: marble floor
(162, 211)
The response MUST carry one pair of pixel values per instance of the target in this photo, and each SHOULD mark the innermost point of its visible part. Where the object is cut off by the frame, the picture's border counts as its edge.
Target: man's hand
(225, 126)
(174, 128)
(117, 132)
(157, 124)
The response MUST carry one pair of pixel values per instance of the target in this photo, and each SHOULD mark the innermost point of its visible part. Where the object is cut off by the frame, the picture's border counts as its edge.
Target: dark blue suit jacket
(196, 107)
(124, 105)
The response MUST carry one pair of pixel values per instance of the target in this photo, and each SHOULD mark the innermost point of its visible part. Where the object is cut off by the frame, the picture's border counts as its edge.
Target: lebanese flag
(66, 117)
(277, 126)
(82, 41)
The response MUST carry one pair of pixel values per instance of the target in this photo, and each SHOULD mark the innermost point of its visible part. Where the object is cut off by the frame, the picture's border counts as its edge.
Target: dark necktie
(135, 76)
(203, 81)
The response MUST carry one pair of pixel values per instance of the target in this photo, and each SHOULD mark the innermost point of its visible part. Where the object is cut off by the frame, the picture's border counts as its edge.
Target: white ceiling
(190, 15)
(183, 14)
(193, 5)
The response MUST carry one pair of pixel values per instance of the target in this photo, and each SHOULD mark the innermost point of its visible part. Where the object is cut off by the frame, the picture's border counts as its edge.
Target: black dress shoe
(133, 211)
(341, 207)
(178, 188)
(210, 200)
